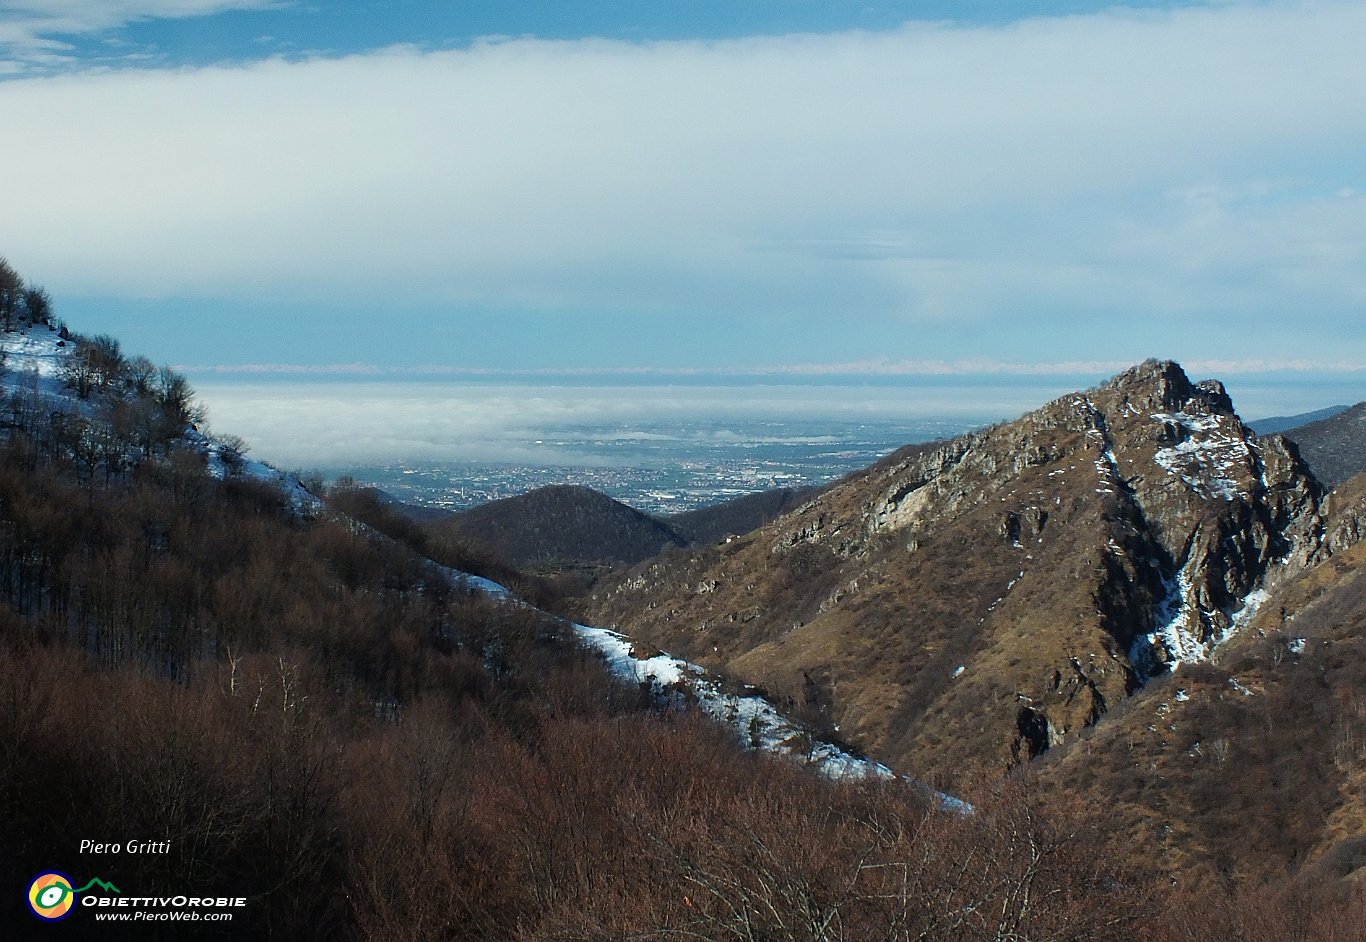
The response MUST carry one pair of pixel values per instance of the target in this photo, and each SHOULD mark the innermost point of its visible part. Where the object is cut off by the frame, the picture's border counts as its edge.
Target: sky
(779, 190)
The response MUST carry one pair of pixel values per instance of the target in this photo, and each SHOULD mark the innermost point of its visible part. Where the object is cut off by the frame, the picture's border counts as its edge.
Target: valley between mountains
(1126, 594)
(1095, 673)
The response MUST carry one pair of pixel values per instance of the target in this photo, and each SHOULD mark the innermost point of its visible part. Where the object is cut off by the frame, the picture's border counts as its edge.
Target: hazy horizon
(330, 424)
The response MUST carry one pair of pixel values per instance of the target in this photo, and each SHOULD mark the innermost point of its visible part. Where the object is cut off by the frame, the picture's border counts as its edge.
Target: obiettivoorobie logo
(52, 895)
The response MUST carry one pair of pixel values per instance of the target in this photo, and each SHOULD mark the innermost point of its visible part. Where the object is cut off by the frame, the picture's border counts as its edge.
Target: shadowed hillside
(1334, 447)
(1277, 424)
(739, 515)
(561, 525)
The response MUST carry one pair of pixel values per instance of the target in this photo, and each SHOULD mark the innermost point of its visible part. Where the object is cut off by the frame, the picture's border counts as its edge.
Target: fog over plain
(327, 424)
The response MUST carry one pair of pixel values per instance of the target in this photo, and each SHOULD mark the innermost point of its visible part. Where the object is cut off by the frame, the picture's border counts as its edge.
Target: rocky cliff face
(986, 599)
(1222, 511)
(1253, 764)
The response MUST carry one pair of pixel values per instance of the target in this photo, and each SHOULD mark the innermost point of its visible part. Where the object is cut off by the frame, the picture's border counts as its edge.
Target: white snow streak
(756, 720)
(1176, 639)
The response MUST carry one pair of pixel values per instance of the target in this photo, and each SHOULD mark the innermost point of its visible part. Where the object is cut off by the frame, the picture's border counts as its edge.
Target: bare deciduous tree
(11, 292)
(38, 305)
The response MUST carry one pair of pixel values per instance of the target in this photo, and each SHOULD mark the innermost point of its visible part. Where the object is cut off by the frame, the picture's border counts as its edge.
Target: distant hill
(573, 525)
(1282, 423)
(1335, 447)
(740, 515)
(563, 524)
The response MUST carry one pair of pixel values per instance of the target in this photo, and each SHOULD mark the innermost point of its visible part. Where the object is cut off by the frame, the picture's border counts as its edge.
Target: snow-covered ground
(758, 723)
(34, 358)
(226, 463)
(1175, 628)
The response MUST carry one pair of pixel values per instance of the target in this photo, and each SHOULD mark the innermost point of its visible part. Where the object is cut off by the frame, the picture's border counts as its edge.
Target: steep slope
(1335, 447)
(562, 524)
(1272, 731)
(985, 599)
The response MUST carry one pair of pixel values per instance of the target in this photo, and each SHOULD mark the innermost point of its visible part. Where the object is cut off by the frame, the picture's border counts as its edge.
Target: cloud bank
(343, 424)
(337, 424)
(1084, 187)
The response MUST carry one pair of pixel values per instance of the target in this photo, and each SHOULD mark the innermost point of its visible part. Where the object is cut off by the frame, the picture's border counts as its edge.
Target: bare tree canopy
(38, 305)
(11, 290)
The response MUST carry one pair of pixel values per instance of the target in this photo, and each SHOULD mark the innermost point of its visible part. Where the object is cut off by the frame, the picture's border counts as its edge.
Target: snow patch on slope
(224, 463)
(37, 350)
(1206, 454)
(1171, 641)
(35, 359)
(755, 721)
(758, 722)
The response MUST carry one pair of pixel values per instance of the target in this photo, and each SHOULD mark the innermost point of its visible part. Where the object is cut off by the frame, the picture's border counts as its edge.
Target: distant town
(658, 473)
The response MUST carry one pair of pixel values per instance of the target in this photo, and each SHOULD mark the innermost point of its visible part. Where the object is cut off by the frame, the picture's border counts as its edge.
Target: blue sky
(786, 188)
(60, 33)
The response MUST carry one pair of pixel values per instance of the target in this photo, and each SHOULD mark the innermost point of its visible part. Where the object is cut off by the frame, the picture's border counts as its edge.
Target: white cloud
(1195, 161)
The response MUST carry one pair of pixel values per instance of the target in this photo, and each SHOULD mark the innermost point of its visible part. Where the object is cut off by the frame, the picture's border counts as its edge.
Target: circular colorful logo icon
(50, 896)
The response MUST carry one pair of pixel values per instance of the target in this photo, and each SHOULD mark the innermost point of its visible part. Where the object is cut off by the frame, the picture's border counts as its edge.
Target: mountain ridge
(1275, 424)
(1013, 583)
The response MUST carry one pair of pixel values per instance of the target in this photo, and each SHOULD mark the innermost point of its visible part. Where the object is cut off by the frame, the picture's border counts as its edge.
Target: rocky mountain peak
(1163, 386)
(1021, 579)
(1152, 384)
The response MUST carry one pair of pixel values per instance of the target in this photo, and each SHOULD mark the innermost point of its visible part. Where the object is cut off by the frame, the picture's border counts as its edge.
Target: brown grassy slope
(1023, 554)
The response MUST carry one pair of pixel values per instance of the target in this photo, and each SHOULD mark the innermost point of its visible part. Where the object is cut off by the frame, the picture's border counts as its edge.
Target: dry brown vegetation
(1253, 767)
